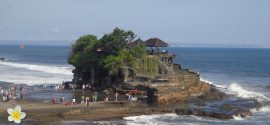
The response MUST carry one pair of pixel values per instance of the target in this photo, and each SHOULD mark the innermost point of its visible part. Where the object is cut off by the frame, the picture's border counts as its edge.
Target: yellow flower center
(16, 115)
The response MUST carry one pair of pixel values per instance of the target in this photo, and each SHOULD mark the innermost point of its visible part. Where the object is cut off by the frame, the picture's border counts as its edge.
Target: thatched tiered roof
(155, 42)
(135, 43)
(152, 42)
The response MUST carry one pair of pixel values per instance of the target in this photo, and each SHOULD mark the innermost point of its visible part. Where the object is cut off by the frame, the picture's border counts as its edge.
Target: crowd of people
(11, 93)
(85, 100)
(19, 91)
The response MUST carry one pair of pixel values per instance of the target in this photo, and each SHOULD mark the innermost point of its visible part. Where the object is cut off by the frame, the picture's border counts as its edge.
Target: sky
(232, 23)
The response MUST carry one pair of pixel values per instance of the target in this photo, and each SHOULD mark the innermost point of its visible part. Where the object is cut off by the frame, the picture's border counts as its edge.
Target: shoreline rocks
(223, 109)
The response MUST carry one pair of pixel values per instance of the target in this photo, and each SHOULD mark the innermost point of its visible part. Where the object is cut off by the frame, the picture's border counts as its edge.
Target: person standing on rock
(87, 99)
(95, 96)
(83, 87)
(106, 96)
(116, 96)
(73, 101)
(62, 99)
(82, 100)
(129, 97)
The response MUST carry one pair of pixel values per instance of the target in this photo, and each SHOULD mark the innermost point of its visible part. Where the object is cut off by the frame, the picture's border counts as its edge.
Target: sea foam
(41, 68)
(240, 91)
(237, 117)
(244, 93)
(150, 119)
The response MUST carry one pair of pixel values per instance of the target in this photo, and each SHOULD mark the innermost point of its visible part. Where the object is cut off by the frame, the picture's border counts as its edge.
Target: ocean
(241, 71)
(35, 64)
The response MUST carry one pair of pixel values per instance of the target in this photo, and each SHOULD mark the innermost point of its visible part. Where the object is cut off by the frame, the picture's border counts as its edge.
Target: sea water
(35, 64)
(244, 72)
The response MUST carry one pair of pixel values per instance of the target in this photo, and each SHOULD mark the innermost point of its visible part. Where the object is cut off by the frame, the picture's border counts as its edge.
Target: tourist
(21, 92)
(83, 87)
(3, 96)
(67, 102)
(129, 97)
(21, 95)
(9, 96)
(87, 99)
(73, 88)
(116, 96)
(62, 99)
(134, 91)
(14, 97)
(82, 100)
(95, 96)
(1, 91)
(73, 101)
(54, 100)
(106, 99)
(89, 86)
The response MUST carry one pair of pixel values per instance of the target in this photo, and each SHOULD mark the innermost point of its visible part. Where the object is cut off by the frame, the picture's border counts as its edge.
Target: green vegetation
(148, 65)
(99, 61)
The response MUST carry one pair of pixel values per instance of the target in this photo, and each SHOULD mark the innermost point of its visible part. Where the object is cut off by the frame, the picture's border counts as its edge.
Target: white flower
(15, 114)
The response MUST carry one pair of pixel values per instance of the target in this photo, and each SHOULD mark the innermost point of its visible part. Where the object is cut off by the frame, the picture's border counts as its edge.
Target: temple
(159, 72)
(159, 59)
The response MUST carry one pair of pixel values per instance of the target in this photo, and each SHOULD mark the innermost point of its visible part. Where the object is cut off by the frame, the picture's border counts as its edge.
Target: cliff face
(182, 85)
(172, 83)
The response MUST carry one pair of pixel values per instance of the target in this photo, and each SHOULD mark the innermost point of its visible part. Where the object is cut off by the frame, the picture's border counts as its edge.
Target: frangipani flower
(15, 114)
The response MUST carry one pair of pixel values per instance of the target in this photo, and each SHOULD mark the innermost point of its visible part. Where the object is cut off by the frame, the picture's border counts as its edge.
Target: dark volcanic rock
(224, 110)
(209, 112)
(213, 93)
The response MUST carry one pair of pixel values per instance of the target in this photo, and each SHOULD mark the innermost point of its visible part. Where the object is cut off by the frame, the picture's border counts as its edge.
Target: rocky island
(150, 68)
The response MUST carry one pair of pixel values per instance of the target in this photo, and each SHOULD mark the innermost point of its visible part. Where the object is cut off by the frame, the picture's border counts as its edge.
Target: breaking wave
(237, 117)
(240, 91)
(150, 119)
(244, 93)
(40, 68)
(217, 85)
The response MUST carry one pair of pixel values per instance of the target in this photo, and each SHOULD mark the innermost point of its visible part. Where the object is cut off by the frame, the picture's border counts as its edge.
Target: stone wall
(182, 85)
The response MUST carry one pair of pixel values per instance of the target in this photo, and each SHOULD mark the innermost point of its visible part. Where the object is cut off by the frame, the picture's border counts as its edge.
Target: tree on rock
(99, 61)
